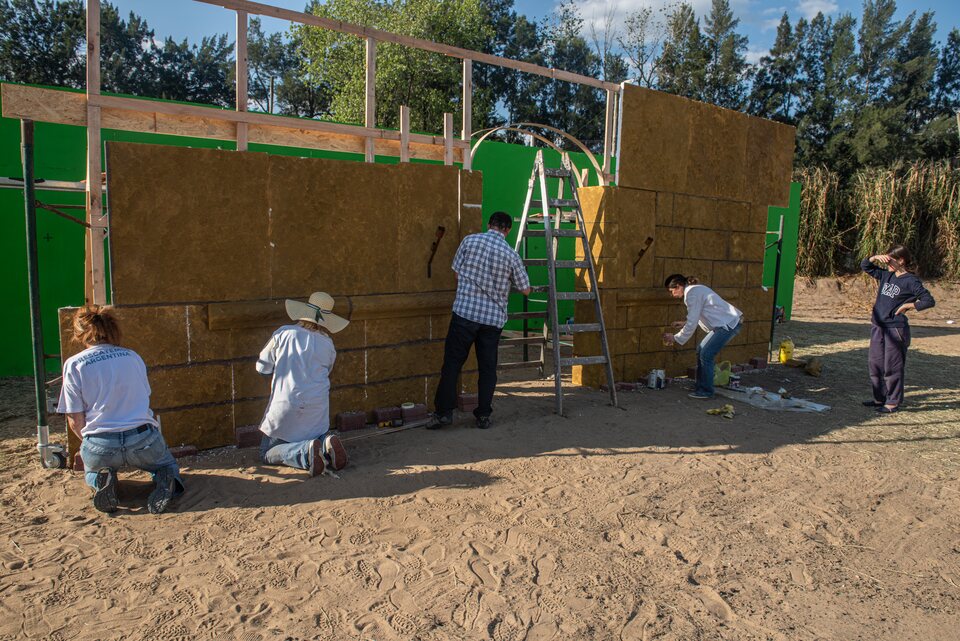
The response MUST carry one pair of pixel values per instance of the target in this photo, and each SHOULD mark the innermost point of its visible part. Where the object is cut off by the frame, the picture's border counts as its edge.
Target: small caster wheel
(54, 461)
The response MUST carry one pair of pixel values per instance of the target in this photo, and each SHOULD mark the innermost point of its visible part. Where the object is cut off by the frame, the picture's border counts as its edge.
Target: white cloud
(810, 8)
(753, 55)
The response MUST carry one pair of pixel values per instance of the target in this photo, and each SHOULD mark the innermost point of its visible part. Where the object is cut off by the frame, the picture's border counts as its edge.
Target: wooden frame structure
(97, 112)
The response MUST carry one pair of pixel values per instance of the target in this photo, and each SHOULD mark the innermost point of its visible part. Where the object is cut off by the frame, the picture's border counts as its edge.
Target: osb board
(618, 223)
(187, 224)
(209, 225)
(673, 144)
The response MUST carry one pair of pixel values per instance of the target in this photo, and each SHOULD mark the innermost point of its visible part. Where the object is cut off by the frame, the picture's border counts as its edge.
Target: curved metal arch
(517, 127)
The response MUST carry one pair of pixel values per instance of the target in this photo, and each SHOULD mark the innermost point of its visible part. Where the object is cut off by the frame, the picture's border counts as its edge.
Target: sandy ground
(654, 521)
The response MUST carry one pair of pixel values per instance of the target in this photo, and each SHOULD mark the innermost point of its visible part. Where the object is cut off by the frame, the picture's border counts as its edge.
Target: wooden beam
(467, 130)
(370, 96)
(241, 54)
(404, 133)
(70, 108)
(608, 131)
(447, 139)
(96, 288)
(426, 45)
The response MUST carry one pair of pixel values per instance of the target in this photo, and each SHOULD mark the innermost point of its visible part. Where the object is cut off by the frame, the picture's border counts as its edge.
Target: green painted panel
(788, 259)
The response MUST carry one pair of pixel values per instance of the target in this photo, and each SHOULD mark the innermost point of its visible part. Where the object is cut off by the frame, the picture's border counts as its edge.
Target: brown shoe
(316, 457)
(335, 451)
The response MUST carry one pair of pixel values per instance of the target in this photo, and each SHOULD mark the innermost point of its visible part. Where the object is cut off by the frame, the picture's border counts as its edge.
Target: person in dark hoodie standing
(899, 291)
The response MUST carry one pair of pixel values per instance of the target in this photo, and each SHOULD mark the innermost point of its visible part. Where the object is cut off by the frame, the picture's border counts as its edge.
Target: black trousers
(461, 336)
(888, 359)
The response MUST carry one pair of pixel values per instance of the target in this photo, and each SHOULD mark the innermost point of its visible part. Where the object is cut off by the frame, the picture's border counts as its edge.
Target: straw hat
(319, 310)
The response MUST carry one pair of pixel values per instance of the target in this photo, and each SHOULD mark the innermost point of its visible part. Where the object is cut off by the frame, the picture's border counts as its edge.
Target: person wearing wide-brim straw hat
(300, 358)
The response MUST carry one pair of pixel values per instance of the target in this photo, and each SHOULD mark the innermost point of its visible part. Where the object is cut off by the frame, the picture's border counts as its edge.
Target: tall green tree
(41, 42)
(683, 59)
(725, 79)
(774, 91)
(127, 53)
(947, 87)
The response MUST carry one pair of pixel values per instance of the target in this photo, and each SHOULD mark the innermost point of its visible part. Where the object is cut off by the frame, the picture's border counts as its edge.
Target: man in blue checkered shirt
(486, 266)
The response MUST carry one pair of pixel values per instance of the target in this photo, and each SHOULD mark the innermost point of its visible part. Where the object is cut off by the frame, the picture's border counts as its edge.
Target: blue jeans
(707, 352)
(141, 450)
(274, 451)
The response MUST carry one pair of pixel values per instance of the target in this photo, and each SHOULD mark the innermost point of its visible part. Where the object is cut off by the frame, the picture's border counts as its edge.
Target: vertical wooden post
(608, 133)
(404, 133)
(467, 130)
(241, 53)
(370, 106)
(96, 290)
(447, 139)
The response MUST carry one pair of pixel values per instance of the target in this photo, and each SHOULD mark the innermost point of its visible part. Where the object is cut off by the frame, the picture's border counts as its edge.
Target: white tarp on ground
(759, 397)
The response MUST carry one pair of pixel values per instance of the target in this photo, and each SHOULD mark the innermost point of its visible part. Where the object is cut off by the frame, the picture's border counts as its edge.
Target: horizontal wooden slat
(148, 116)
(416, 43)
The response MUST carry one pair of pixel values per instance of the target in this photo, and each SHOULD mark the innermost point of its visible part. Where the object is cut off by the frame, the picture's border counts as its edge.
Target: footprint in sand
(799, 574)
(545, 566)
(482, 571)
(715, 604)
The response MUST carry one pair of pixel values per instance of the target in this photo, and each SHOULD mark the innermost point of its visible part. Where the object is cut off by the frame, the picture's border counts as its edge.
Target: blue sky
(758, 18)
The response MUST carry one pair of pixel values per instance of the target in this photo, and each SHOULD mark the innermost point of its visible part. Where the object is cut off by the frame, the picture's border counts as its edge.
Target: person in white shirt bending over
(300, 358)
(718, 318)
(106, 399)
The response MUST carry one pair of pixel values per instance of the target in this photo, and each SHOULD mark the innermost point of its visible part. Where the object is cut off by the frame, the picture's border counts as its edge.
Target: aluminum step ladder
(565, 210)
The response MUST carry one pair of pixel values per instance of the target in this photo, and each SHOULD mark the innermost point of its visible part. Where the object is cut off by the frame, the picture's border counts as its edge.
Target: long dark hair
(902, 254)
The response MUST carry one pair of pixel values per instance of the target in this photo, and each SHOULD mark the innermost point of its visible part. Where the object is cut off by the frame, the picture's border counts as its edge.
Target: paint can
(656, 379)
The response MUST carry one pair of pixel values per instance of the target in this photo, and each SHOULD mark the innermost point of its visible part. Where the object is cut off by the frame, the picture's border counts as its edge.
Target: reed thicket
(916, 204)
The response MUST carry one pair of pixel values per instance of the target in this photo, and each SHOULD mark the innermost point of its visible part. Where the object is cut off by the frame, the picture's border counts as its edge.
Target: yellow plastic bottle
(786, 350)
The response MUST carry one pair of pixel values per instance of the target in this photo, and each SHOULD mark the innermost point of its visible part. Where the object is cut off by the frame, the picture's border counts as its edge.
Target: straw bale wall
(205, 245)
(696, 180)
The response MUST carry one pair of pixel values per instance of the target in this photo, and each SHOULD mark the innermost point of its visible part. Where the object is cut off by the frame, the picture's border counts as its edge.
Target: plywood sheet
(187, 224)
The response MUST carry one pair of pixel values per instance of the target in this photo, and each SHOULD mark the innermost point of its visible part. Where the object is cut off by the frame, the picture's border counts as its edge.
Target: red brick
(418, 411)
(467, 402)
(248, 436)
(758, 362)
(77, 463)
(183, 450)
(347, 421)
(386, 414)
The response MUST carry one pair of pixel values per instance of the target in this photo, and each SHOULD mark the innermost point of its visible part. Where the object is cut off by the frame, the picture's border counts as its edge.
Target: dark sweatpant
(461, 336)
(888, 355)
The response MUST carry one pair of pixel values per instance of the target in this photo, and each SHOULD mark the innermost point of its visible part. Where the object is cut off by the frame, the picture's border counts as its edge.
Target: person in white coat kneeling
(300, 358)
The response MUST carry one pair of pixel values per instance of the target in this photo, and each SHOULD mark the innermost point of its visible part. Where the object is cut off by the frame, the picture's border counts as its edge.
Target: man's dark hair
(675, 279)
(500, 220)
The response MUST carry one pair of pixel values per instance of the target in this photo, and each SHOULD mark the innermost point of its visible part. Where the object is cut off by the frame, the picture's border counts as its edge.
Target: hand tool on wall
(643, 250)
(433, 248)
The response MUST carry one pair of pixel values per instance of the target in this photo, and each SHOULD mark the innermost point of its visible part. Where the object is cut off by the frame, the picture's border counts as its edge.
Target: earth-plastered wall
(205, 245)
(694, 189)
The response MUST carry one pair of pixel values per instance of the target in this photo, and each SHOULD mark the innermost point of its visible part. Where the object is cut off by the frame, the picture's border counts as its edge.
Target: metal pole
(33, 285)
(776, 283)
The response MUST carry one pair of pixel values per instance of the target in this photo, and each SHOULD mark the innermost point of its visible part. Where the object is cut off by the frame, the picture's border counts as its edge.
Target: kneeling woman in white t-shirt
(106, 399)
(300, 358)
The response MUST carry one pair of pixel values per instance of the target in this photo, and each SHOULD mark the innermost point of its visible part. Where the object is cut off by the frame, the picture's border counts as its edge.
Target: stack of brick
(696, 180)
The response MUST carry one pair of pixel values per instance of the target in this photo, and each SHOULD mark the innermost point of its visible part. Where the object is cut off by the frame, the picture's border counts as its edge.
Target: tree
(426, 82)
(947, 86)
(642, 42)
(127, 53)
(724, 83)
(683, 58)
(774, 91)
(42, 43)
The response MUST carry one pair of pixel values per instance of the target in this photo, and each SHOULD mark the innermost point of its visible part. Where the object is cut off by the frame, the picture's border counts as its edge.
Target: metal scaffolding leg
(51, 456)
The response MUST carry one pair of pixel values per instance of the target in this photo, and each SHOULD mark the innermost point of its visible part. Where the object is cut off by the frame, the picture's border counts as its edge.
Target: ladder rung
(564, 233)
(576, 295)
(559, 264)
(583, 360)
(553, 203)
(520, 365)
(574, 328)
(525, 340)
(522, 315)
(556, 173)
